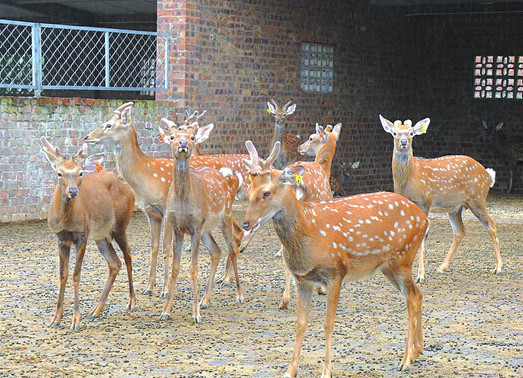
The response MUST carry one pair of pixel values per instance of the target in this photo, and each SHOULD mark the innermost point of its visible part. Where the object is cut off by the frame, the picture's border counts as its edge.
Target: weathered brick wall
(26, 178)
(247, 52)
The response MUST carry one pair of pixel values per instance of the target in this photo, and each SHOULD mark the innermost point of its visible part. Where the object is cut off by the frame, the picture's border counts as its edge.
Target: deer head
(266, 193)
(114, 129)
(70, 172)
(280, 113)
(403, 133)
(311, 146)
(183, 139)
(490, 131)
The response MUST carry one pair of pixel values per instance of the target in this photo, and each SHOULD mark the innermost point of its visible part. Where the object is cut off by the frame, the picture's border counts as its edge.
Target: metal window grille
(36, 57)
(317, 67)
(498, 77)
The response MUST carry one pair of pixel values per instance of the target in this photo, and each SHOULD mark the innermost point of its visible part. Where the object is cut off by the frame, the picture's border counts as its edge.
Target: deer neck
(182, 179)
(289, 223)
(278, 133)
(62, 214)
(326, 154)
(130, 160)
(402, 165)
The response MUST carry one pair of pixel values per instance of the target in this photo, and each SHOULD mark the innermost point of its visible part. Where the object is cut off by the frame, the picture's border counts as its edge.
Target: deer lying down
(446, 184)
(327, 242)
(95, 206)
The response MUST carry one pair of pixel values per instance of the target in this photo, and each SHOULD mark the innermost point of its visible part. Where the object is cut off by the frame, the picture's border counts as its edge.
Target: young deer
(446, 184)
(188, 120)
(98, 207)
(150, 179)
(200, 200)
(343, 174)
(290, 142)
(329, 241)
(509, 147)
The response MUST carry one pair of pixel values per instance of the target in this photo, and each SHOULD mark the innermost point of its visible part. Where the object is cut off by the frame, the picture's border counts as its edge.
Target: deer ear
(89, 164)
(203, 133)
(291, 109)
(499, 126)
(485, 126)
(81, 155)
(270, 108)
(126, 116)
(387, 125)
(293, 176)
(336, 130)
(421, 126)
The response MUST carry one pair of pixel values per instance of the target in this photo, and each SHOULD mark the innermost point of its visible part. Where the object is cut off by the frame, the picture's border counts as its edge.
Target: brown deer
(446, 184)
(327, 242)
(337, 181)
(95, 206)
(199, 201)
(290, 142)
(188, 120)
(150, 179)
(510, 148)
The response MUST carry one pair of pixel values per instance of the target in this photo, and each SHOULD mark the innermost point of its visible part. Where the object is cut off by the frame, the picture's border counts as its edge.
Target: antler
(275, 104)
(81, 154)
(120, 109)
(49, 147)
(257, 166)
(195, 115)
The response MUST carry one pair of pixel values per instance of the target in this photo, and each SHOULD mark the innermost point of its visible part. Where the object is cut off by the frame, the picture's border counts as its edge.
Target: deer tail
(492, 174)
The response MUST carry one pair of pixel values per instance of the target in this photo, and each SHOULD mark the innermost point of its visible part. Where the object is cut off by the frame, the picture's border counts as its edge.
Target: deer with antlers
(327, 242)
(289, 142)
(95, 206)
(199, 201)
(150, 179)
(189, 119)
(446, 184)
(510, 148)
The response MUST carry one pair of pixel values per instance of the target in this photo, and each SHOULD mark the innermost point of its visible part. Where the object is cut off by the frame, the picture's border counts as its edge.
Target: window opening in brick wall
(497, 76)
(317, 73)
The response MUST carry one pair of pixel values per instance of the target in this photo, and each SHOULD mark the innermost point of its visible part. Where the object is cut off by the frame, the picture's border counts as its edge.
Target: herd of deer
(324, 240)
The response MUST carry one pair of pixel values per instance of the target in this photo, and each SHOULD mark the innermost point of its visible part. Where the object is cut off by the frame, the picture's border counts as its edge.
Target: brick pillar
(181, 19)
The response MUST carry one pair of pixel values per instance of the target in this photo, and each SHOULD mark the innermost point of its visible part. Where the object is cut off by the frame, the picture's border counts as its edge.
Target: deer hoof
(420, 279)
(75, 327)
(165, 316)
(204, 305)
(196, 319)
(164, 294)
(54, 323)
(496, 271)
(147, 292)
(283, 305)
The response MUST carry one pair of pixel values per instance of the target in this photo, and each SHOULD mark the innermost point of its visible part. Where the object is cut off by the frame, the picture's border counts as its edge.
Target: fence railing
(35, 57)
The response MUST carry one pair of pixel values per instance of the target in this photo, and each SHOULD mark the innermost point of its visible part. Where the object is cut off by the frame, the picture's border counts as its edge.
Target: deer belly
(212, 221)
(446, 205)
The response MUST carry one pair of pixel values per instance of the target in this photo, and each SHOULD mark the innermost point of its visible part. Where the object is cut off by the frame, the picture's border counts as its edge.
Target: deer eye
(411, 133)
(172, 137)
(192, 137)
(108, 126)
(394, 134)
(266, 194)
(81, 174)
(59, 174)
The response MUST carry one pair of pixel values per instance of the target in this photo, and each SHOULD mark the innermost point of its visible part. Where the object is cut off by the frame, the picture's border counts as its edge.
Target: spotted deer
(96, 206)
(188, 120)
(327, 242)
(337, 181)
(150, 179)
(446, 184)
(200, 200)
(290, 142)
(510, 148)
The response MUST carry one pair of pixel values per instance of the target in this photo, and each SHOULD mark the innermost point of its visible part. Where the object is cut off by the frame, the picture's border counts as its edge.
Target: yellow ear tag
(298, 179)
(269, 110)
(250, 178)
(423, 129)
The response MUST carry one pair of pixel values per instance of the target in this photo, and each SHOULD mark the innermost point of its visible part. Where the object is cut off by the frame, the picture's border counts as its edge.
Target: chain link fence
(36, 57)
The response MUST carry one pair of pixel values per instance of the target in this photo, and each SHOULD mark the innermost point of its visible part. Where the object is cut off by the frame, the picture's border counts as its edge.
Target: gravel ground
(473, 324)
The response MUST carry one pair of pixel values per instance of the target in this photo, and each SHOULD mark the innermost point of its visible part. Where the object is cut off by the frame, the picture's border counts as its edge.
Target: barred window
(317, 73)
(497, 76)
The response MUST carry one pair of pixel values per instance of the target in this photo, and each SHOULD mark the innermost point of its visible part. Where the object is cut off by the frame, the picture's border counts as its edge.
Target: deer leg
(459, 233)
(237, 236)
(114, 263)
(156, 228)
(64, 250)
(233, 239)
(415, 332)
(480, 211)
(126, 250)
(286, 297)
(177, 255)
(421, 262)
(167, 245)
(303, 306)
(195, 248)
(332, 304)
(511, 170)
(80, 252)
(215, 252)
